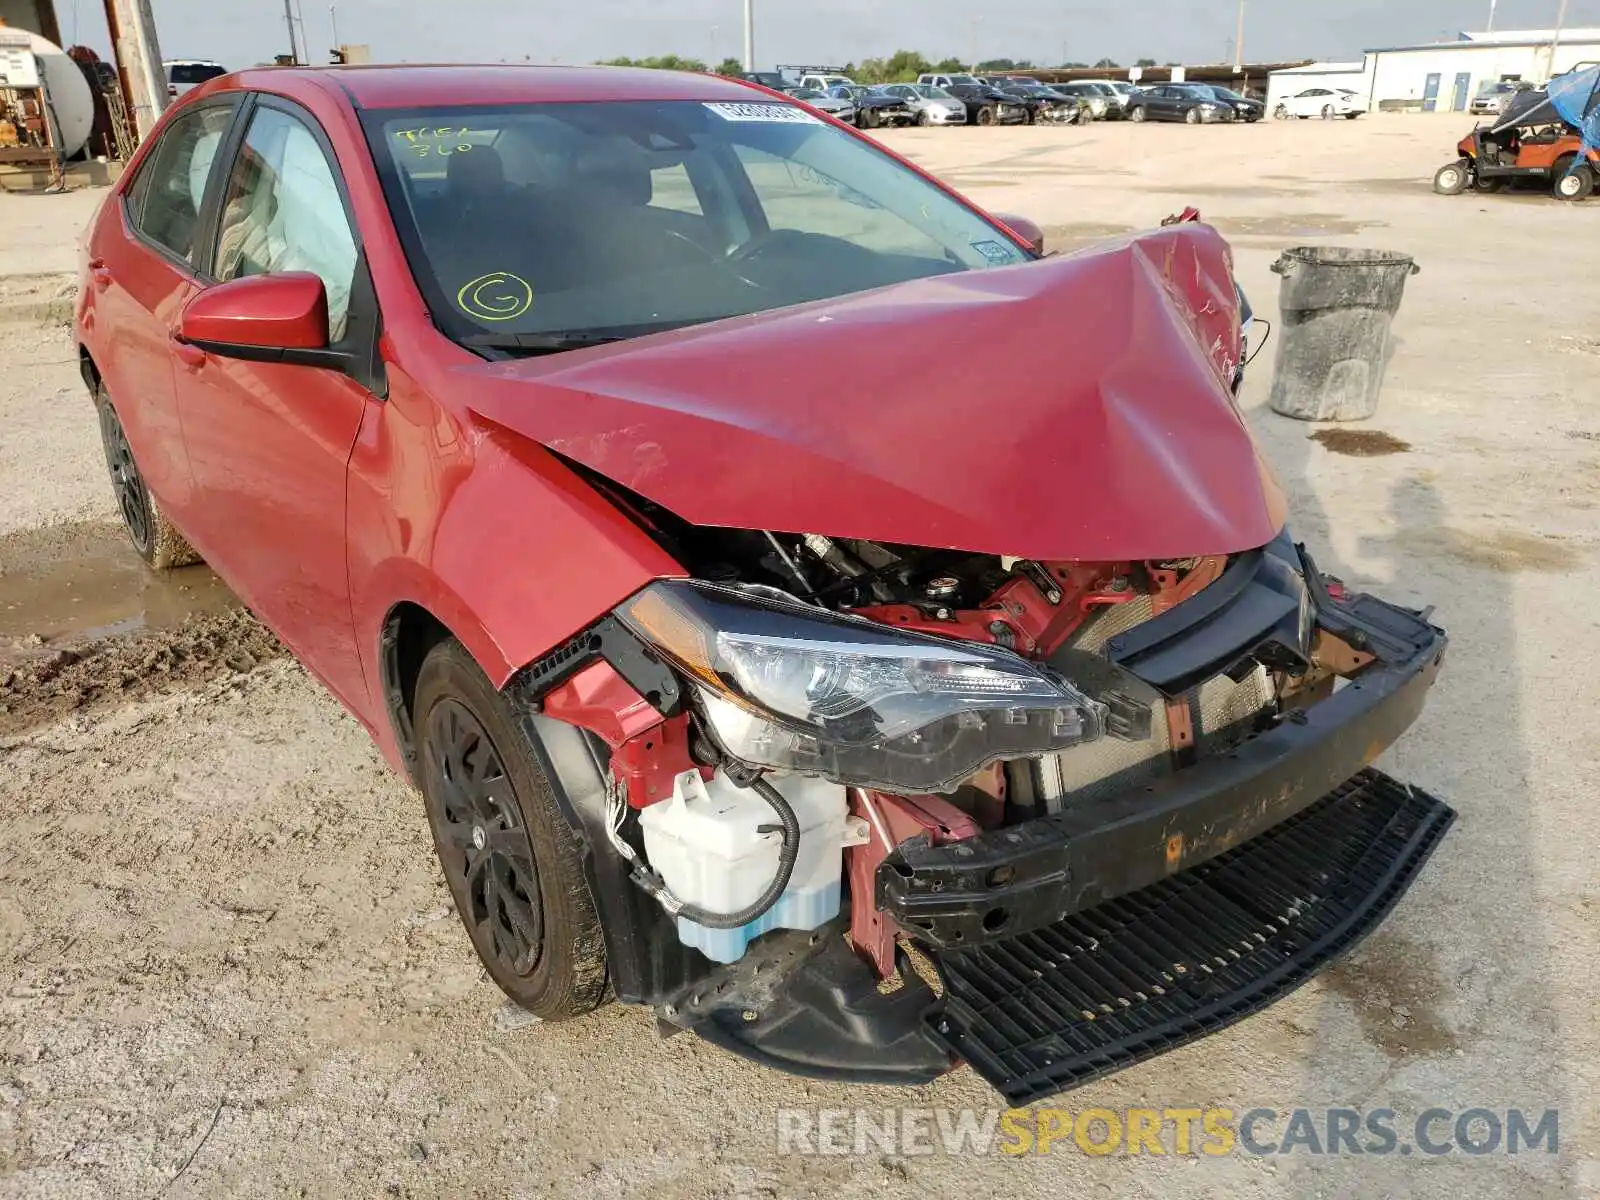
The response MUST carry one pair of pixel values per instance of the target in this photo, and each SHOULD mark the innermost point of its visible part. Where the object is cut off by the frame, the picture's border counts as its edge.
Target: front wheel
(1192, 117)
(1576, 184)
(513, 864)
(869, 118)
(922, 117)
(155, 538)
(1327, 112)
(986, 116)
(1281, 113)
(1139, 116)
(1452, 178)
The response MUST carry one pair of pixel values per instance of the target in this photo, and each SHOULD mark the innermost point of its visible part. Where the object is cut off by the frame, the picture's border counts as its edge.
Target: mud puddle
(81, 582)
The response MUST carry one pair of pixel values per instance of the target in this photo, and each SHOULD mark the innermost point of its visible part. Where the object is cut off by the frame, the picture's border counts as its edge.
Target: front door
(1458, 97)
(270, 442)
(1430, 93)
(141, 271)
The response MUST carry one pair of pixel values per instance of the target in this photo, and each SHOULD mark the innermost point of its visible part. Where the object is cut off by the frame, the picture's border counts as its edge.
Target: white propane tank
(703, 842)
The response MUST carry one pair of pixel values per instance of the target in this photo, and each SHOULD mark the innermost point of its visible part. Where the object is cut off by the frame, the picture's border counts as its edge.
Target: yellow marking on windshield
(497, 296)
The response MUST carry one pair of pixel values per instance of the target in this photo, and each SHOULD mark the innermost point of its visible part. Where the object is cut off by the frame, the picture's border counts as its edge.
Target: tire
(1192, 117)
(986, 115)
(156, 539)
(1453, 178)
(922, 117)
(1281, 113)
(1351, 116)
(869, 118)
(1489, 185)
(1573, 182)
(1327, 112)
(1138, 115)
(513, 864)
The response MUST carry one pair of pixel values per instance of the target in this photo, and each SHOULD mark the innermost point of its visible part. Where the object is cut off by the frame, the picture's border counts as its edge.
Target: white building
(1443, 76)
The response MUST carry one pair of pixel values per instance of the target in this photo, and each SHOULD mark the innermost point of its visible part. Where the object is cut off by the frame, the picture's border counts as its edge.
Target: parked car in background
(843, 109)
(1244, 108)
(874, 106)
(1326, 103)
(769, 79)
(1492, 100)
(929, 105)
(825, 83)
(1178, 102)
(946, 81)
(989, 106)
(1101, 101)
(1045, 104)
(186, 73)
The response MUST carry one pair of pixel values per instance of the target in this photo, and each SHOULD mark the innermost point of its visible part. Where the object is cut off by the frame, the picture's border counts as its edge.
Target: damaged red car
(605, 441)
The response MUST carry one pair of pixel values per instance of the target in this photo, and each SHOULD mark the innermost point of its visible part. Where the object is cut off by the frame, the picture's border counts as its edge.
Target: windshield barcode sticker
(782, 114)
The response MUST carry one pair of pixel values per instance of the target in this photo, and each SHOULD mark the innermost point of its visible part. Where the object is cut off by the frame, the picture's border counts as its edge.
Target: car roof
(408, 85)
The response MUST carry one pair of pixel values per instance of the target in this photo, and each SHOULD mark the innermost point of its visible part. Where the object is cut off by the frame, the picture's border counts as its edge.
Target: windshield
(1223, 93)
(968, 80)
(807, 94)
(605, 220)
(928, 92)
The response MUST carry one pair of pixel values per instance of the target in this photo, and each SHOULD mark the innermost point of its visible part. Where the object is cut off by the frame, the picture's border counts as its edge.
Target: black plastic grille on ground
(1161, 967)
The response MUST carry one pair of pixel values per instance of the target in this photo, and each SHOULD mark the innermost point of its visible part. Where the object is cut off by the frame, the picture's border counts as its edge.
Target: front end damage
(868, 807)
(1209, 836)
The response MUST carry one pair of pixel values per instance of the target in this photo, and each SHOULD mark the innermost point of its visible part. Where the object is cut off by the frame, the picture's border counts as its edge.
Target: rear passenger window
(172, 186)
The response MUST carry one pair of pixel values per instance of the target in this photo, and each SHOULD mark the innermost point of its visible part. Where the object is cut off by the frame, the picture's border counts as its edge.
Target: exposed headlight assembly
(794, 688)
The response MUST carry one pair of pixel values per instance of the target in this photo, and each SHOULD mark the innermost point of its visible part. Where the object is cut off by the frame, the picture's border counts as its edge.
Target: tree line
(903, 66)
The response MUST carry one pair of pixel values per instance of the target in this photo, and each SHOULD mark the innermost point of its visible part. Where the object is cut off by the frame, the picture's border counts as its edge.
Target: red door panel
(268, 445)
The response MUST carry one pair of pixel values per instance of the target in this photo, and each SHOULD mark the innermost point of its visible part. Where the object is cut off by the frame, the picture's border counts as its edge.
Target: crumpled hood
(1075, 408)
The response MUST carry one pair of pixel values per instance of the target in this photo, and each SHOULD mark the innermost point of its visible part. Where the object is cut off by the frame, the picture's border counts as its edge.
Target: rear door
(270, 442)
(141, 271)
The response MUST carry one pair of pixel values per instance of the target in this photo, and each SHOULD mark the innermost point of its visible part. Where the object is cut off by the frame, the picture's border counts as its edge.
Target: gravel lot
(227, 961)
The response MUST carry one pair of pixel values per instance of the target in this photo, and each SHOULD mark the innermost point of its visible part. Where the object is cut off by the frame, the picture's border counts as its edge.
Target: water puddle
(83, 581)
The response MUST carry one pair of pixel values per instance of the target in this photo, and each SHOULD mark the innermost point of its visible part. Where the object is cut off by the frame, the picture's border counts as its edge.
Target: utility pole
(749, 35)
(1238, 43)
(1555, 41)
(333, 24)
(294, 45)
(976, 21)
(138, 54)
(1493, 4)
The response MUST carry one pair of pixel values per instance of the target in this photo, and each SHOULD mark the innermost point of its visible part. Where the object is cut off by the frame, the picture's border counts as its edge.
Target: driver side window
(282, 212)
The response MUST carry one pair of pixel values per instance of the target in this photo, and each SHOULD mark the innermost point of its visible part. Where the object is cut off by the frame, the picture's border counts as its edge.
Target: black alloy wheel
(127, 485)
(483, 832)
(513, 863)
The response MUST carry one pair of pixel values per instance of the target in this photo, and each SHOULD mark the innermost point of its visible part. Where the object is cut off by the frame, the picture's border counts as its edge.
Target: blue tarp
(1576, 96)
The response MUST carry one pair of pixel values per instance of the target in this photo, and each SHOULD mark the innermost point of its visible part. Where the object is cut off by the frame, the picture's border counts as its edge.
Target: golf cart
(1550, 135)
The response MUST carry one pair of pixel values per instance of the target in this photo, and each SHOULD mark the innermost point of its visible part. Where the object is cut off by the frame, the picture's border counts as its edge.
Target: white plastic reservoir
(703, 842)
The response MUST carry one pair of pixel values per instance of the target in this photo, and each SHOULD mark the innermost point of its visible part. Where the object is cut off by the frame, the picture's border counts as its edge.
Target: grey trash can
(1337, 308)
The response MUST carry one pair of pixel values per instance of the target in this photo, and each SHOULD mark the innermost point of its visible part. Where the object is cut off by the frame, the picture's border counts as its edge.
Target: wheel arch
(408, 632)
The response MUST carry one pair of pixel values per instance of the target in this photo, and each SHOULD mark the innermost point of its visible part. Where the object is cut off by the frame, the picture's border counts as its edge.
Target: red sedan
(780, 580)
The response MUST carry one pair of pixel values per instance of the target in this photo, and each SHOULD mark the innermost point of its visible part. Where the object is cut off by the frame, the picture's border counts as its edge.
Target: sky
(825, 32)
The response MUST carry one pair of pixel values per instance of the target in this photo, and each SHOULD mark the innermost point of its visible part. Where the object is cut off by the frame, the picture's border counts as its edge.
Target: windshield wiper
(540, 343)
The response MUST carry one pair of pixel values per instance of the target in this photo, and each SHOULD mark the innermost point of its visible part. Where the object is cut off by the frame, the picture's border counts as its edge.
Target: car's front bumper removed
(1075, 945)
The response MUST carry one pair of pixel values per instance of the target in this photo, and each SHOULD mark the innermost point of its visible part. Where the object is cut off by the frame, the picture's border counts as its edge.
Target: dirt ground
(227, 960)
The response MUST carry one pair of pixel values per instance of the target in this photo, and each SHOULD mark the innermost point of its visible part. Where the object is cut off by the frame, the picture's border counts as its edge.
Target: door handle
(188, 353)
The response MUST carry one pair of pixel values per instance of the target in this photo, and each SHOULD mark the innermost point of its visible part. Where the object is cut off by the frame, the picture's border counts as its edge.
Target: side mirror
(264, 318)
(1024, 229)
